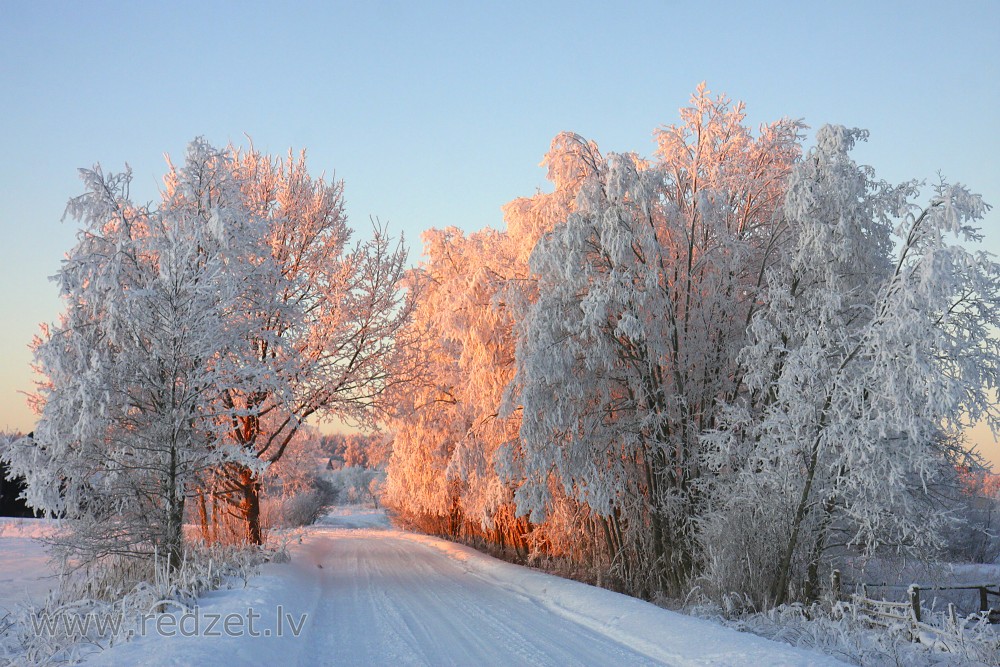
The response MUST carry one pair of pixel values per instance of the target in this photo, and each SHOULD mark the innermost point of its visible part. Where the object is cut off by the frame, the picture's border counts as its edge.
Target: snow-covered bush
(101, 603)
(356, 485)
(742, 545)
(294, 491)
(834, 629)
(976, 538)
(289, 511)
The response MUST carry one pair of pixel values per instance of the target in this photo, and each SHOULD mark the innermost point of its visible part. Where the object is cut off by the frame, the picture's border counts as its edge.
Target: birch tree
(872, 353)
(644, 292)
(448, 426)
(129, 410)
(451, 443)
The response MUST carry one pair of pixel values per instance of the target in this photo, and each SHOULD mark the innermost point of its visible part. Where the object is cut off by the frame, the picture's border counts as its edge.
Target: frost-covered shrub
(294, 491)
(834, 629)
(976, 537)
(741, 545)
(298, 509)
(100, 605)
(356, 485)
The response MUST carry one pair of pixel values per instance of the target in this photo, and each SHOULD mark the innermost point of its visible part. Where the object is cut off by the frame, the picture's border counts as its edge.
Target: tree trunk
(249, 506)
(173, 538)
(175, 535)
(206, 532)
(780, 590)
(819, 546)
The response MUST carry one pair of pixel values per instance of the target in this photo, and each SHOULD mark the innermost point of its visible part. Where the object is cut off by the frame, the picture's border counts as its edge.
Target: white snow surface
(26, 573)
(378, 596)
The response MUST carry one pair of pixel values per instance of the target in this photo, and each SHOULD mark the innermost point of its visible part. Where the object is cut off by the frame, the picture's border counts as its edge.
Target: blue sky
(437, 114)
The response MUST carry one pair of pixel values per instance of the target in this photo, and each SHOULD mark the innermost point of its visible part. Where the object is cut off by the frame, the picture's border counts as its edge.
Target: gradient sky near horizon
(437, 114)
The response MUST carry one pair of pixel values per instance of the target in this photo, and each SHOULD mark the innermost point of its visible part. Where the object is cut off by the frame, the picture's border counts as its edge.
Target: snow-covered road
(377, 596)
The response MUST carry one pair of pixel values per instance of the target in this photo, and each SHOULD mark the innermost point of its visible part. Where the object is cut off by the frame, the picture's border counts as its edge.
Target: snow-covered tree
(334, 336)
(450, 440)
(129, 408)
(872, 352)
(197, 339)
(447, 425)
(644, 293)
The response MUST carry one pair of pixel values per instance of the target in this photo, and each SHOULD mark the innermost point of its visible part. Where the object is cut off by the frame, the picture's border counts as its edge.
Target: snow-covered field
(358, 592)
(25, 571)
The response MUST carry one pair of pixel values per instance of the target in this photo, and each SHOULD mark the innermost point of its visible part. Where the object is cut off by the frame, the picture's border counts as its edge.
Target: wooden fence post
(984, 604)
(914, 592)
(835, 584)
